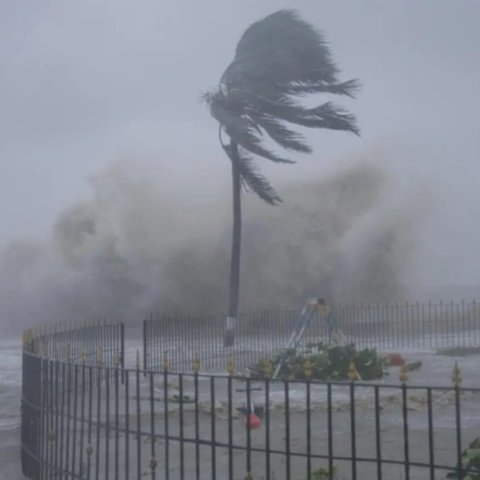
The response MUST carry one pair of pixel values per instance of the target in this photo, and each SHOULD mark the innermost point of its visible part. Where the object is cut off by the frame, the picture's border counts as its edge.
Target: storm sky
(85, 82)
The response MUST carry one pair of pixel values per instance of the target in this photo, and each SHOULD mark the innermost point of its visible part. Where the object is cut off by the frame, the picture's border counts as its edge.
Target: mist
(387, 216)
(138, 244)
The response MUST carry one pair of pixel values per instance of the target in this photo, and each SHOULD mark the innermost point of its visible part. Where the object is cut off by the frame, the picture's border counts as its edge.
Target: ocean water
(10, 393)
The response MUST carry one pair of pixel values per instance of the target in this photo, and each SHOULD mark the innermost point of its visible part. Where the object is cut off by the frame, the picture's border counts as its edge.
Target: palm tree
(278, 60)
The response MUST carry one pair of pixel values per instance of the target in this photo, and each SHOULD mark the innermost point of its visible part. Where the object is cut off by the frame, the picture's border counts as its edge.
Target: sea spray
(138, 244)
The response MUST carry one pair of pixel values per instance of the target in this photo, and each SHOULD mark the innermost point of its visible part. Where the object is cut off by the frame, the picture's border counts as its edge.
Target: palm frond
(327, 115)
(241, 129)
(283, 48)
(252, 179)
(285, 52)
(282, 135)
(277, 60)
(348, 88)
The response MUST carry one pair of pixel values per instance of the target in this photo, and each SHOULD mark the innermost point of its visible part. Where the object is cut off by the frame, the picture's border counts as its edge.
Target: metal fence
(82, 422)
(89, 343)
(395, 326)
(85, 416)
(52, 352)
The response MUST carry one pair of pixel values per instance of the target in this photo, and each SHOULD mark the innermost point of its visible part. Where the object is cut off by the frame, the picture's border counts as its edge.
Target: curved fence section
(88, 343)
(390, 326)
(58, 363)
(85, 416)
(164, 425)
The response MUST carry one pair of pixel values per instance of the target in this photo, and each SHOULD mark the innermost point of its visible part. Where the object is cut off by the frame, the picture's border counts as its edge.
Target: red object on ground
(252, 421)
(396, 359)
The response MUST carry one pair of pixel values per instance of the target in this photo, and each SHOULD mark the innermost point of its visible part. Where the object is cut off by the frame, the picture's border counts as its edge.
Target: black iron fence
(90, 342)
(189, 413)
(84, 423)
(51, 352)
(257, 334)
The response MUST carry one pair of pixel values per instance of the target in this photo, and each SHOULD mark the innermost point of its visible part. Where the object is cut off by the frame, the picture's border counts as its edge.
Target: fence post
(30, 408)
(231, 372)
(166, 368)
(196, 369)
(354, 376)
(404, 379)
(457, 381)
(122, 347)
(145, 366)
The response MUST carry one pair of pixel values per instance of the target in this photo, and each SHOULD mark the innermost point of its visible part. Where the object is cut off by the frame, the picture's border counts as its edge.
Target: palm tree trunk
(235, 254)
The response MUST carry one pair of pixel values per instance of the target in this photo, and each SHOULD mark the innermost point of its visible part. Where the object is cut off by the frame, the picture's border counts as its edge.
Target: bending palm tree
(277, 60)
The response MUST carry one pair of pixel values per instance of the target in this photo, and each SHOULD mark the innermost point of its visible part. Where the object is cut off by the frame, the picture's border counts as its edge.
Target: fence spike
(352, 372)
(99, 359)
(153, 464)
(456, 376)
(308, 368)
(230, 364)
(137, 361)
(84, 358)
(166, 362)
(266, 367)
(196, 363)
(404, 375)
(30, 339)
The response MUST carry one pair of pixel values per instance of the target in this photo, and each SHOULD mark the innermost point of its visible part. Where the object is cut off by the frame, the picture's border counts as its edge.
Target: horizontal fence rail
(260, 334)
(166, 425)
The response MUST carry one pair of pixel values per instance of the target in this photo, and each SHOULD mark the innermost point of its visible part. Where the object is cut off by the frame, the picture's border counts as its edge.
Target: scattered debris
(396, 360)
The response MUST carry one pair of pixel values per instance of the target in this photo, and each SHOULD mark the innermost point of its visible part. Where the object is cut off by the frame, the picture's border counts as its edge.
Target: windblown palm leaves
(278, 59)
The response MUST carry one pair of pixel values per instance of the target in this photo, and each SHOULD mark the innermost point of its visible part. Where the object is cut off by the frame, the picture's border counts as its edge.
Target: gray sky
(82, 83)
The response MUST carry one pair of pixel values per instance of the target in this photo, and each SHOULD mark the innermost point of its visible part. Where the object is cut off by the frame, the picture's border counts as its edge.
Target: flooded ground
(435, 370)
